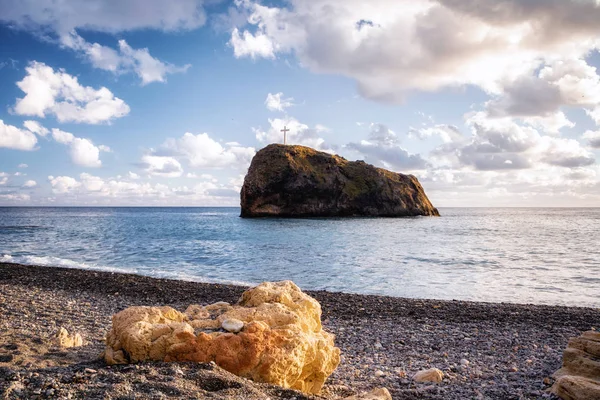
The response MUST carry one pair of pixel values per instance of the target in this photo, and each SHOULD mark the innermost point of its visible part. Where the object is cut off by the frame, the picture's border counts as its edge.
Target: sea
(517, 255)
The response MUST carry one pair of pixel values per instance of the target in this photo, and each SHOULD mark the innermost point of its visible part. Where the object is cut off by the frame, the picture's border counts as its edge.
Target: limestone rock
(282, 341)
(66, 339)
(579, 377)
(297, 181)
(429, 375)
(375, 394)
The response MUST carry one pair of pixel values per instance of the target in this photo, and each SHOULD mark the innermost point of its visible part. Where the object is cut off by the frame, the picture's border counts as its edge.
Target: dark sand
(508, 351)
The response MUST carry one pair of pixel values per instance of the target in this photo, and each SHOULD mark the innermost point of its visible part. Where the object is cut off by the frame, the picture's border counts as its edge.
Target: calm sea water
(543, 256)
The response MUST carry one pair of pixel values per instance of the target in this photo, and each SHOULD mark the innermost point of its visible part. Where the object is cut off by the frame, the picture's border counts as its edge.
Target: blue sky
(488, 103)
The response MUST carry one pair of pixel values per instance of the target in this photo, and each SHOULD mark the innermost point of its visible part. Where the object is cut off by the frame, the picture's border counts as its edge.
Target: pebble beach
(485, 350)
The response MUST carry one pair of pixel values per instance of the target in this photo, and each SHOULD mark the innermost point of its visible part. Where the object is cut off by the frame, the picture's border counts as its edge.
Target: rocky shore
(485, 350)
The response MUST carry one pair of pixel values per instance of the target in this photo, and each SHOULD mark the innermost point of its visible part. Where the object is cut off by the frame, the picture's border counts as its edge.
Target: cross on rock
(285, 130)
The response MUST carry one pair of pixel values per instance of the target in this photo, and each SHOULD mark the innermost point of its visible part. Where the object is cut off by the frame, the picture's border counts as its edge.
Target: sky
(154, 103)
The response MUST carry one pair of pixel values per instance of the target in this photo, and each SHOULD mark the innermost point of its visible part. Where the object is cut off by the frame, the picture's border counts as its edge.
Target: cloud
(103, 15)
(249, 45)
(124, 60)
(133, 175)
(299, 133)
(569, 82)
(276, 102)
(3, 178)
(30, 184)
(391, 47)
(12, 137)
(62, 184)
(383, 148)
(83, 151)
(448, 133)
(60, 94)
(202, 151)
(167, 167)
(35, 127)
(22, 166)
(502, 144)
(90, 189)
(595, 115)
(593, 138)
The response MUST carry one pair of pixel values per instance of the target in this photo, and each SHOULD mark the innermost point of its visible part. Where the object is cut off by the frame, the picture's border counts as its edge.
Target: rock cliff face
(297, 181)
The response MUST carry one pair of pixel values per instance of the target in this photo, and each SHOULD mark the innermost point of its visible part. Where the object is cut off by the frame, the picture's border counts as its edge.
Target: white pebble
(232, 325)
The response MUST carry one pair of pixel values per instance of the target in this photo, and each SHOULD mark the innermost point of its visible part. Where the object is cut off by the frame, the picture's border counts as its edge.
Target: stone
(280, 340)
(232, 325)
(66, 339)
(429, 375)
(464, 362)
(579, 377)
(375, 394)
(298, 181)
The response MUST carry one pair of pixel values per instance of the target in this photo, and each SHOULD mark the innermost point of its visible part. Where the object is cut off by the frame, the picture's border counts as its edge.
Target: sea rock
(298, 181)
(579, 377)
(375, 394)
(282, 341)
(65, 339)
(429, 375)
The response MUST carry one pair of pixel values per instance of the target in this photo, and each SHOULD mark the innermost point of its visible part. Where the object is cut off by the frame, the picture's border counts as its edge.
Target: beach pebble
(464, 362)
(429, 375)
(379, 373)
(232, 325)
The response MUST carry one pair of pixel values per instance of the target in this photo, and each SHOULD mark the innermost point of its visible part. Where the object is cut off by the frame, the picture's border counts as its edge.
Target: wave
(50, 261)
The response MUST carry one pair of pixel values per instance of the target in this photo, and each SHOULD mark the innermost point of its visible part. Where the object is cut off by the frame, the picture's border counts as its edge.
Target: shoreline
(510, 348)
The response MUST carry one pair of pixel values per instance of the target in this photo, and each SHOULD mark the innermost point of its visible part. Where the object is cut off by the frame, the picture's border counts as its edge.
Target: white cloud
(90, 189)
(15, 197)
(103, 15)
(3, 178)
(595, 115)
(58, 93)
(35, 127)
(390, 47)
(570, 82)
(14, 138)
(133, 175)
(593, 138)
(383, 149)
(104, 148)
(161, 166)
(249, 45)
(62, 137)
(448, 133)
(299, 133)
(62, 184)
(30, 184)
(502, 144)
(22, 166)
(551, 124)
(126, 59)
(276, 102)
(202, 151)
(83, 151)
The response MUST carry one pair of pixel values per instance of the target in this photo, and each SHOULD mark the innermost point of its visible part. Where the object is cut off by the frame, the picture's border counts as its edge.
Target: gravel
(485, 350)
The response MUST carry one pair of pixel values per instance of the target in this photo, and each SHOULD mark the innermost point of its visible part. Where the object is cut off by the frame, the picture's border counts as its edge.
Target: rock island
(298, 181)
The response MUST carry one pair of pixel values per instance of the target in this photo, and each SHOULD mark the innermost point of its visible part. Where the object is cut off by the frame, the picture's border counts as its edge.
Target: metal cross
(285, 130)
